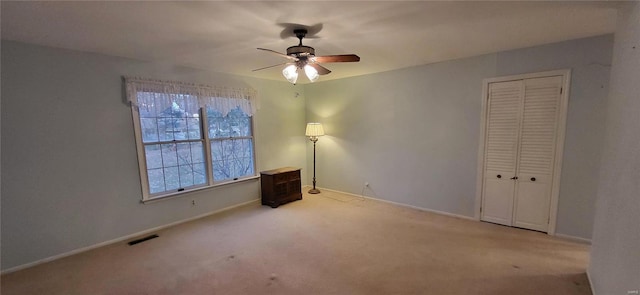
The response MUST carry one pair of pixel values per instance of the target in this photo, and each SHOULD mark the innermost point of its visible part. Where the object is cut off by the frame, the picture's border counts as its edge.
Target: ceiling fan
(303, 57)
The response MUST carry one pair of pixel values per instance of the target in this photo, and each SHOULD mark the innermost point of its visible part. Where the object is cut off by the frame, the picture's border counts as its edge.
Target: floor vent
(138, 241)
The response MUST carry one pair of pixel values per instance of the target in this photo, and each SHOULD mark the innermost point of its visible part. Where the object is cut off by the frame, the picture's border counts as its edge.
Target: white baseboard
(403, 205)
(120, 239)
(568, 237)
(574, 238)
(593, 291)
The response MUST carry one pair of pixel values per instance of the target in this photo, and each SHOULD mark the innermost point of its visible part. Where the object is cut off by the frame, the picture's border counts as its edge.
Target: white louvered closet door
(540, 116)
(501, 147)
(521, 133)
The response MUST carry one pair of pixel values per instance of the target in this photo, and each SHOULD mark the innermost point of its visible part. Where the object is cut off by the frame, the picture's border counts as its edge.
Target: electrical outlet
(193, 202)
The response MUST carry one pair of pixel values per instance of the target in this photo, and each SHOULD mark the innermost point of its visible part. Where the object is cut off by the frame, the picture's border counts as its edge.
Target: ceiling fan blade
(279, 54)
(337, 58)
(321, 70)
(273, 66)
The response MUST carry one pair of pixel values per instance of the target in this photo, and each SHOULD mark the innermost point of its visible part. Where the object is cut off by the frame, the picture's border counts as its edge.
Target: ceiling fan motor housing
(300, 50)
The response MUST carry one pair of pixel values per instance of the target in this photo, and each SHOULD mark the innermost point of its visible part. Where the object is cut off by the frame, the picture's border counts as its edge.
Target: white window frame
(208, 140)
(147, 196)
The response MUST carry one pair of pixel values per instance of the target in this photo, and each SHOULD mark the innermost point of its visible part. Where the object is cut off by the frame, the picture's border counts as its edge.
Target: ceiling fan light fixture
(290, 73)
(304, 57)
(311, 72)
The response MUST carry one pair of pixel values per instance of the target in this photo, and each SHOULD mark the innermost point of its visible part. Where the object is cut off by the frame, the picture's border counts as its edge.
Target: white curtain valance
(223, 99)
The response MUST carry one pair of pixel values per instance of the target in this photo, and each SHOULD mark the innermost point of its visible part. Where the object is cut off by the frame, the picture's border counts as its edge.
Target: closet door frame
(562, 124)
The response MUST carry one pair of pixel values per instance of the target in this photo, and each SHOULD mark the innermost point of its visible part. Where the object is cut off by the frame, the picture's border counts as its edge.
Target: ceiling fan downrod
(300, 33)
(300, 51)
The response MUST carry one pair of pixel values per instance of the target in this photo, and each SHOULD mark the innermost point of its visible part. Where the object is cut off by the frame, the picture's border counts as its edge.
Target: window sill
(199, 189)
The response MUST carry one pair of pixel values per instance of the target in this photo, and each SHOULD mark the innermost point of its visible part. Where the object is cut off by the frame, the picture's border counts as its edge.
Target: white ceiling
(223, 36)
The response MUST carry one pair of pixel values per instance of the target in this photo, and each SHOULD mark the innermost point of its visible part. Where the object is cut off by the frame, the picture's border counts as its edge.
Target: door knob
(515, 177)
(499, 176)
(533, 179)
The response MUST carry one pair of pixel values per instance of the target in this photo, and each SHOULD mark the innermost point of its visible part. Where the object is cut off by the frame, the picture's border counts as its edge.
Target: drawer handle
(499, 176)
(533, 179)
(514, 178)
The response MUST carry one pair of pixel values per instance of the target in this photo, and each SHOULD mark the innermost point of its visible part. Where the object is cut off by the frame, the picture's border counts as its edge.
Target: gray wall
(413, 134)
(615, 255)
(69, 170)
(70, 176)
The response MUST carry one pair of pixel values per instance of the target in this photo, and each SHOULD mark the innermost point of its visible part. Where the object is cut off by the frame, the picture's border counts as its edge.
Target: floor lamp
(314, 130)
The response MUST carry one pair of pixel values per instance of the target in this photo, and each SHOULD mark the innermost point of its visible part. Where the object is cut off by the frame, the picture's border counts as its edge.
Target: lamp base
(314, 191)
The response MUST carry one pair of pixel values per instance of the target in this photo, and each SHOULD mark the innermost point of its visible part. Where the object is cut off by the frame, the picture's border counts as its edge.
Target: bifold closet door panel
(498, 201)
(538, 136)
(501, 147)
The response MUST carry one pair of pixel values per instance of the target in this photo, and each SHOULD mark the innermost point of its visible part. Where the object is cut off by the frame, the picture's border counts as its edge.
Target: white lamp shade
(290, 73)
(314, 130)
(311, 72)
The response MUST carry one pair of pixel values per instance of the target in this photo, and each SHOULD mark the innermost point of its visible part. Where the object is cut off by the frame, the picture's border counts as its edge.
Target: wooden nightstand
(280, 186)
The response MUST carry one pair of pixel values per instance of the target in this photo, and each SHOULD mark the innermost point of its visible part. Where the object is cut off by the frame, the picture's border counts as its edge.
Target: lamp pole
(313, 131)
(314, 190)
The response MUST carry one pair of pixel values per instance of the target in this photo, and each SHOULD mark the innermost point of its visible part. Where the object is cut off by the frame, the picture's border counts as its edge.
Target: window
(190, 136)
(231, 144)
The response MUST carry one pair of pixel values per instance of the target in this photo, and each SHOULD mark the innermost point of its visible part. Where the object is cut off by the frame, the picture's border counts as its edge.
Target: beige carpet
(324, 244)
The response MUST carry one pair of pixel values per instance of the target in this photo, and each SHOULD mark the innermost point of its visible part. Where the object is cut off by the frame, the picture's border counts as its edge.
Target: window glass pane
(216, 149)
(164, 129)
(156, 180)
(219, 172)
(183, 164)
(149, 129)
(153, 154)
(192, 107)
(235, 124)
(171, 178)
(169, 155)
(232, 158)
(244, 126)
(174, 128)
(247, 149)
(217, 154)
(193, 127)
(217, 125)
(173, 116)
(197, 152)
(146, 105)
(244, 163)
(186, 175)
(199, 173)
(161, 102)
(184, 153)
(181, 133)
(175, 165)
